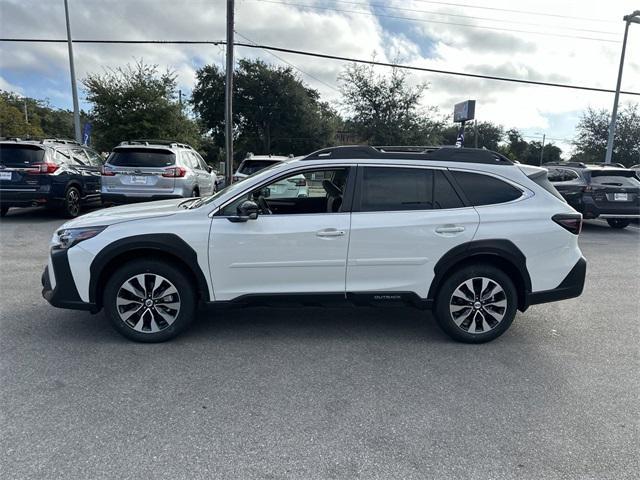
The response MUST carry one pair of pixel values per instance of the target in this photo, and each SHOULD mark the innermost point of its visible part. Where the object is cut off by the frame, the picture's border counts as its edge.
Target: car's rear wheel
(618, 222)
(149, 300)
(3, 210)
(476, 304)
(71, 203)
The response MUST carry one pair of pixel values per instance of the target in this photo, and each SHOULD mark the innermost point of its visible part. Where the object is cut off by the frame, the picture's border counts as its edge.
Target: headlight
(68, 237)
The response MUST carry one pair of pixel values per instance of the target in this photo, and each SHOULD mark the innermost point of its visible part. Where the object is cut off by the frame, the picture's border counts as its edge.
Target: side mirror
(247, 210)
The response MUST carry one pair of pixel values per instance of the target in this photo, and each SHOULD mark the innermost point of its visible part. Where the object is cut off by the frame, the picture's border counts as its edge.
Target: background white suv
(464, 232)
(295, 186)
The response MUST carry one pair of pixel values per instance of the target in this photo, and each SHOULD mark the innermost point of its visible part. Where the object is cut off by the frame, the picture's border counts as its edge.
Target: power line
(330, 57)
(422, 20)
(290, 64)
(526, 12)
(474, 17)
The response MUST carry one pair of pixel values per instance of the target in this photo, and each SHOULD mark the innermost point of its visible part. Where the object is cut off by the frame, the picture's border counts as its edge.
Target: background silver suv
(144, 170)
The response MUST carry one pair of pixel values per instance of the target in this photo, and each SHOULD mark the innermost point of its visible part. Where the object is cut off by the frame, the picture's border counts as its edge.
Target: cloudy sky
(564, 41)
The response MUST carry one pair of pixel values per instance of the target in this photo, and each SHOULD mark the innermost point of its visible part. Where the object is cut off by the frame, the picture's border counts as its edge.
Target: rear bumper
(570, 287)
(120, 198)
(65, 294)
(27, 198)
(592, 210)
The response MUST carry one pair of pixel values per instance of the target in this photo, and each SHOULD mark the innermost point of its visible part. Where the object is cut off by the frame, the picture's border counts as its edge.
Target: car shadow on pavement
(38, 215)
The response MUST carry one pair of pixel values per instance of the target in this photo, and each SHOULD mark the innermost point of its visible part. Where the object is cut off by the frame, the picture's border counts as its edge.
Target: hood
(124, 213)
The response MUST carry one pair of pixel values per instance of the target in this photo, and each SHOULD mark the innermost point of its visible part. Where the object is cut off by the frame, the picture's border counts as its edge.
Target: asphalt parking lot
(321, 393)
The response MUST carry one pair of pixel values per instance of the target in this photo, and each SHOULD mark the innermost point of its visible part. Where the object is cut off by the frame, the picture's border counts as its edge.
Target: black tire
(484, 315)
(618, 223)
(3, 210)
(150, 318)
(71, 204)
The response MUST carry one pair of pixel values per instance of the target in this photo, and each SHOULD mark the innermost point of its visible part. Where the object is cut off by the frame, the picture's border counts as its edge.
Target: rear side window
(19, 156)
(485, 190)
(393, 189)
(561, 175)
(141, 157)
(249, 167)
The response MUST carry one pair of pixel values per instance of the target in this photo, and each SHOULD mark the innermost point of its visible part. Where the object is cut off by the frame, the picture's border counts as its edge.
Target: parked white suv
(464, 232)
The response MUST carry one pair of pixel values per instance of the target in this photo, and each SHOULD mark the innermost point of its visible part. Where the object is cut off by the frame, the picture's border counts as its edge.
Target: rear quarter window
(141, 157)
(483, 189)
(20, 156)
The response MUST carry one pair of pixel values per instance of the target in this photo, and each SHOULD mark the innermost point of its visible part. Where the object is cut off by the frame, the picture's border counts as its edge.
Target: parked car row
(67, 176)
(610, 192)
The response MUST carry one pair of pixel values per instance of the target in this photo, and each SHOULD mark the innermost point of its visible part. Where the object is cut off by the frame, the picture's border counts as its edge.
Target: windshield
(235, 187)
(249, 167)
(17, 156)
(141, 157)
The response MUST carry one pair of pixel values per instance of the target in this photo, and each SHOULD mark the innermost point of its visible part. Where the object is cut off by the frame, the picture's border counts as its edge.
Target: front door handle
(330, 232)
(450, 229)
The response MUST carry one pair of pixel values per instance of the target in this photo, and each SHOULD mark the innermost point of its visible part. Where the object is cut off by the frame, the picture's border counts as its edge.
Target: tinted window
(389, 189)
(249, 167)
(94, 158)
(140, 157)
(444, 196)
(616, 180)
(485, 190)
(79, 156)
(20, 155)
(561, 175)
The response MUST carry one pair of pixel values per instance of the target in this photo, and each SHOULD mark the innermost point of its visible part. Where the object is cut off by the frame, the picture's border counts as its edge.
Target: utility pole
(475, 133)
(26, 115)
(72, 71)
(544, 136)
(628, 19)
(180, 98)
(228, 92)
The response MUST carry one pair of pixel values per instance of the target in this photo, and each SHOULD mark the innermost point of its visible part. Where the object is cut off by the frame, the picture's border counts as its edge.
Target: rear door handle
(450, 229)
(330, 232)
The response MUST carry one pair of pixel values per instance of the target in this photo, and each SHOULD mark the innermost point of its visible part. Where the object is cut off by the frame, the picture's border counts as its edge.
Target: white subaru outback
(465, 232)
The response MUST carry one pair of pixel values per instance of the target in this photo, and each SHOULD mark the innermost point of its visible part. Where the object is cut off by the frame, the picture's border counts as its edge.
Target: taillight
(569, 221)
(105, 172)
(44, 168)
(174, 172)
(298, 182)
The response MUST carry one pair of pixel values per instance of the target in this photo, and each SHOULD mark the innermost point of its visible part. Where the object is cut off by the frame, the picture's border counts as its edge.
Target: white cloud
(447, 47)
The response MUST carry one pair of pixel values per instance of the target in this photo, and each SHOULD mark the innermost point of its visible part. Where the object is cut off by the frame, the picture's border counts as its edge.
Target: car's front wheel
(618, 222)
(149, 300)
(476, 304)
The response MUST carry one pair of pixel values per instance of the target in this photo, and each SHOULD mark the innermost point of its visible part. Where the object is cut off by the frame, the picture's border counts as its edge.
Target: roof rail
(434, 153)
(611, 165)
(59, 140)
(154, 141)
(565, 164)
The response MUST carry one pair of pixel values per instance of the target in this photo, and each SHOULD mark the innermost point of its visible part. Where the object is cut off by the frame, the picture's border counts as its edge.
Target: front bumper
(64, 294)
(570, 287)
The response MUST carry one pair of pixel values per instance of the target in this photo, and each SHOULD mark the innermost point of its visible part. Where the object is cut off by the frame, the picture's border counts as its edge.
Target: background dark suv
(597, 191)
(55, 173)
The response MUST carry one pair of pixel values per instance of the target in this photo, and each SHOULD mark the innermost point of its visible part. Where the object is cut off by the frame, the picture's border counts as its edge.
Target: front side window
(485, 190)
(317, 191)
(386, 189)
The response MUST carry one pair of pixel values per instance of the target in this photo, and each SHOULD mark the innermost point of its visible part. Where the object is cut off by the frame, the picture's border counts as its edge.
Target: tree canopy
(137, 101)
(592, 133)
(385, 109)
(274, 112)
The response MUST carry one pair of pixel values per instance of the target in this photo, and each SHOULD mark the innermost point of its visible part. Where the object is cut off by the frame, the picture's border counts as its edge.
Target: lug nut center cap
(148, 303)
(477, 305)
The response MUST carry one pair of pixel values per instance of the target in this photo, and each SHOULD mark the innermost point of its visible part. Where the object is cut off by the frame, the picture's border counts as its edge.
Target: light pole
(72, 71)
(628, 19)
(544, 136)
(228, 93)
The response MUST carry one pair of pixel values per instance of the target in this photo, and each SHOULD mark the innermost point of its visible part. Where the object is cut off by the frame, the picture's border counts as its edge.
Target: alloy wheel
(148, 303)
(478, 305)
(73, 202)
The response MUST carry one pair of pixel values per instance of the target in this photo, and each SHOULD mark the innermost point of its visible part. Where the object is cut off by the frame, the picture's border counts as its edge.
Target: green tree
(385, 110)
(274, 112)
(137, 101)
(592, 133)
(489, 135)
